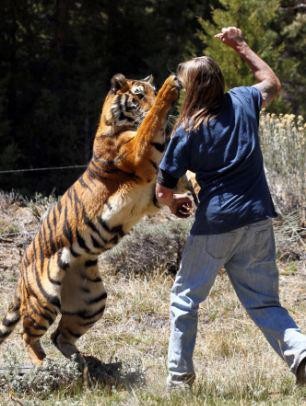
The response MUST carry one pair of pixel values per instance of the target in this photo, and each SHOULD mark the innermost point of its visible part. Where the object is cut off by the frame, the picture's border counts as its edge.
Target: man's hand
(231, 36)
(181, 205)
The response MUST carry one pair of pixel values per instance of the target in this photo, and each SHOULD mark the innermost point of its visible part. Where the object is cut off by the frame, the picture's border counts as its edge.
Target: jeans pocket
(264, 244)
(219, 246)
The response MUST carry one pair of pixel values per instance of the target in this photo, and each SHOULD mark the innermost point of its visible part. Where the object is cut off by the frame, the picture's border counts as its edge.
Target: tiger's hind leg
(83, 303)
(40, 303)
(36, 321)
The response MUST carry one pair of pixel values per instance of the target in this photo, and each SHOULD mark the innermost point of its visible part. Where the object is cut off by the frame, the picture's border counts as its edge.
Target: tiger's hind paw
(36, 352)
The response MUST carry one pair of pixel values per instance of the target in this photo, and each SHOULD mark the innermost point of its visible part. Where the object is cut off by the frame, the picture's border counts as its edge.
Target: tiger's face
(130, 100)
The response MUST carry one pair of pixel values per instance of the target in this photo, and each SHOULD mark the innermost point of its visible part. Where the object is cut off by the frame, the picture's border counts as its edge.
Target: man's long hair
(204, 84)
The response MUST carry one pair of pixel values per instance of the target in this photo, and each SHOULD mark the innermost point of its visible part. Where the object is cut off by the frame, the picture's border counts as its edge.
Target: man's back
(225, 155)
(227, 160)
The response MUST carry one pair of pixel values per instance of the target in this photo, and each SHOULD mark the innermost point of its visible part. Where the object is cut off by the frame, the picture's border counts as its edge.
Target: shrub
(38, 380)
(283, 142)
(150, 247)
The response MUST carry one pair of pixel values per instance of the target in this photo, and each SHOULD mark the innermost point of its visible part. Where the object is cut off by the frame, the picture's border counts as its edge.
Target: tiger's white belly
(120, 213)
(126, 208)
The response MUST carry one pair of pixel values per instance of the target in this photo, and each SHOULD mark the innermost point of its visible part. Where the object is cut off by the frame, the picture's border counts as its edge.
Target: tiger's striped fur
(59, 272)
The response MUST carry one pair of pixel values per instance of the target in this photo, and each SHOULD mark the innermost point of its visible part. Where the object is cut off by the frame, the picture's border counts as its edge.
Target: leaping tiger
(59, 272)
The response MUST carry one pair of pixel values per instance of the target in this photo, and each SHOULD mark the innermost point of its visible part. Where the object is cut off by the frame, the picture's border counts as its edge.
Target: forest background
(57, 58)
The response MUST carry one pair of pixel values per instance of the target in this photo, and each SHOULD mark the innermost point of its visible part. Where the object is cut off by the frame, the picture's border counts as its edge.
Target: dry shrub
(290, 238)
(283, 142)
(149, 248)
(39, 381)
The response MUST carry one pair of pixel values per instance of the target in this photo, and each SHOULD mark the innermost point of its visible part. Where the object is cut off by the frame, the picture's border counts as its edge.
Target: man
(217, 138)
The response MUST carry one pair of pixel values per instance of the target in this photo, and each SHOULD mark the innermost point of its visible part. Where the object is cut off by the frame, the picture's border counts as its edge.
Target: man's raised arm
(268, 83)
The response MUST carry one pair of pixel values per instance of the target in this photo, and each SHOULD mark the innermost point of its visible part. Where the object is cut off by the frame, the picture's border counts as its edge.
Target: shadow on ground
(114, 374)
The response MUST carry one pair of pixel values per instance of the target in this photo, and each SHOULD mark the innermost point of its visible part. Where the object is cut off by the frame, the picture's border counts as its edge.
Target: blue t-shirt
(226, 157)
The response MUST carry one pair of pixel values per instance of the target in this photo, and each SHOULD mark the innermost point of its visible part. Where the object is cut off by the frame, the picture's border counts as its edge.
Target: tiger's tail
(11, 318)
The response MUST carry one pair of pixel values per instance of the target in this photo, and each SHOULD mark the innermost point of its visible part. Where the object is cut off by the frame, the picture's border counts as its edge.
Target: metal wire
(53, 168)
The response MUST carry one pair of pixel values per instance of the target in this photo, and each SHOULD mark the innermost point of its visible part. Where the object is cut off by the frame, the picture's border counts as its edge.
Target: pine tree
(291, 23)
(253, 17)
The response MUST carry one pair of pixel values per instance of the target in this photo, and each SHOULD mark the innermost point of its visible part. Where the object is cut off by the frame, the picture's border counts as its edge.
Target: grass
(234, 363)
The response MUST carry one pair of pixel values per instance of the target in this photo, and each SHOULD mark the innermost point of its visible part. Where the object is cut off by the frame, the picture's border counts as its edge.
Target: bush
(149, 248)
(283, 143)
(38, 380)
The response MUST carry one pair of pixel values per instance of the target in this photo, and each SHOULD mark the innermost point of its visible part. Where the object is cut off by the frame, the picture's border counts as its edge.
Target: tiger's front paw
(170, 90)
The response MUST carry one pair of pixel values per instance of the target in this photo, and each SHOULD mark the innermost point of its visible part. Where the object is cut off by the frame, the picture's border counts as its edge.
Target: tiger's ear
(119, 82)
(149, 79)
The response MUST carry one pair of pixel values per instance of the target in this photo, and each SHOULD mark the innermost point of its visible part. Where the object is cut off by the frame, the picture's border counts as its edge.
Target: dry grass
(234, 363)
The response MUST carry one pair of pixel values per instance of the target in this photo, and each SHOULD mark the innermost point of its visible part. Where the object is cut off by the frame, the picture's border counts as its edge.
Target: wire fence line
(53, 168)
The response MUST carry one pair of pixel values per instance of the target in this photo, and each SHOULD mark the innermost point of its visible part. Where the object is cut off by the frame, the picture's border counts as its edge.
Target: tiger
(59, 269)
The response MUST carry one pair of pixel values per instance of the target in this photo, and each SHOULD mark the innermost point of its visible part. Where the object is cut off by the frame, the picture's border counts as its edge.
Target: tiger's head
(127, 102)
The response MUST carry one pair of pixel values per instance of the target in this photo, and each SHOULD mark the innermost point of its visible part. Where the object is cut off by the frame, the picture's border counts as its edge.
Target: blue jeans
(248, 255)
